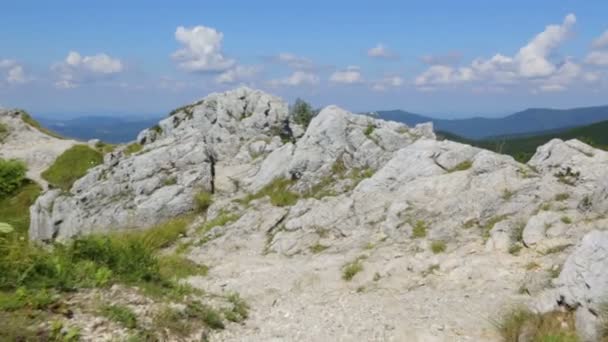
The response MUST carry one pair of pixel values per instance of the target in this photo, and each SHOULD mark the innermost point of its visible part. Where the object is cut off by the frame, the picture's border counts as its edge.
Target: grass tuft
(202, 201)
(465, 165)
(120, 314)
(419, 230)
(277, 191)
(438, 246)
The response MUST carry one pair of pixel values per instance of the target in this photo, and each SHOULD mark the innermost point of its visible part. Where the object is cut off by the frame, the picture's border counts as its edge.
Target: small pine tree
(302, 112)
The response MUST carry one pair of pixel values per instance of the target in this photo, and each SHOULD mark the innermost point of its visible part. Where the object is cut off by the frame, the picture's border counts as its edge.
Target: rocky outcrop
(446, 230)
(29, 144)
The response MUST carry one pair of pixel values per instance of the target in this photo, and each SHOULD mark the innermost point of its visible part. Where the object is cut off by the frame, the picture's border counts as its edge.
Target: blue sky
(444, 58)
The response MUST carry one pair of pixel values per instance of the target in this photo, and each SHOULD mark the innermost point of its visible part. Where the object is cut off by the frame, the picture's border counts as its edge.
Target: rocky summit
(354, 228)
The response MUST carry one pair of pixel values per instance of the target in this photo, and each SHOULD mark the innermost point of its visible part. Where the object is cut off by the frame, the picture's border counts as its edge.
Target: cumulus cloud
(293, 61)
(298, 78)
(12, 72)
(388, 82)
(202, 50)
(450, 58)
(599, 58)
(381, 51)
(77, 69)
(532, 63)
(601, 41)
(237, 74)
(350, 75)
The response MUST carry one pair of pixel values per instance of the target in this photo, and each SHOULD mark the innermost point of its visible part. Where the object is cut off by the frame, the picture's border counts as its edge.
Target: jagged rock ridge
(390, 197)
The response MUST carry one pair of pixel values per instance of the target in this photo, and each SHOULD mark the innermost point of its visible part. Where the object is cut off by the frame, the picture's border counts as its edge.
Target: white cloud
(16, 75)
(202, 51)
(298, 78)
(237, 74)
(438, 75)
(12, 72)
(451, 58)
(350, 75)
(532, 63)
(293, 61)
(77, 69)
(601, 41)
(532, 59)
(381, 51)
(388, 82)
(599, 58)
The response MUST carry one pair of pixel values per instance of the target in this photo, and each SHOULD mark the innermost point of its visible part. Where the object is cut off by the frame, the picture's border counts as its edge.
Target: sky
(446, 58)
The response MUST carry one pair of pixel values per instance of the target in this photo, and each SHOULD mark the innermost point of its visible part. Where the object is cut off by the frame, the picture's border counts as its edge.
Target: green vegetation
(549, 327)
(170, 181)
(183, 322)
(566, 220)
(419, 229)
(12, 175)
(133, 149)
(72, 165)
(33, 280)
(202, 201)
(350, 270)
(14, 209)
(4, 132)
(318, 248)
(220, 220)
(465, 165)
(369, 130)
(105, 148)
(32, 122)
(491, 223)
(523, 148)
(514, 249)
(302, 112)
(239, 311)
(120, 314)
(507, 194)
(562, 197)
(438, 246)
(277, 191)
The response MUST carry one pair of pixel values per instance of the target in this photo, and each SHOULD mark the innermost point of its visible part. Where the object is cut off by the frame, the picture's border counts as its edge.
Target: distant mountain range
(523, 148)
(106, 128)
(529, 121)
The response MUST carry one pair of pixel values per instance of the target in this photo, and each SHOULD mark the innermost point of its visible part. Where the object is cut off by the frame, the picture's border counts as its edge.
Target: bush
(465, 165)
(4, 132)
(12, 176)
(419, 230)
(278, 192)
(133, 149)
(302, 112)
(552, 326)
(72, 165)
(438, 246)
(202, 201)
(350, 270)
(120, 314)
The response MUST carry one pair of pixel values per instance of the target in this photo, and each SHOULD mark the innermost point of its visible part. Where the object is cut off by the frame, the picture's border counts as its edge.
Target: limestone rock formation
(439, 233)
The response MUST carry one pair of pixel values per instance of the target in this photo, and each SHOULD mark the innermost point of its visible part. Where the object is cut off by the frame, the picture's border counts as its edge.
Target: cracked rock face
(448, 231)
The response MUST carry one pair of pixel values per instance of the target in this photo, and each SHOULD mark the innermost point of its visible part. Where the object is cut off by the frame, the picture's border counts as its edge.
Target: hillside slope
(352, 228)
(28, 141)
(527, 121)
(524, 148)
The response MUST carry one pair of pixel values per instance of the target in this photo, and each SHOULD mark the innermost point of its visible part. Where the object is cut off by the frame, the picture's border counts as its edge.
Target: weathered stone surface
(24, 142)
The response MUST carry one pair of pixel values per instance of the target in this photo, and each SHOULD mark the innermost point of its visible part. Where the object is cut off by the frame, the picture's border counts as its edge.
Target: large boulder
(179, 158)
(583, 283)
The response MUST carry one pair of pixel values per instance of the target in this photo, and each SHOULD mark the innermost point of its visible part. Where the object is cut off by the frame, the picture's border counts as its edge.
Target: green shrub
(278, 192)
(72, 165)
(369, 130)
(14, 210)
(120, 314)
(350, 270)
(203, 200)
(419, 230)
(302, 112)
(548, 327)
(4, 132)
(12, 176)
(133, 149)
(562, 196)
(239, 310)
(566, 220)
(465, 165)
(438, 246)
